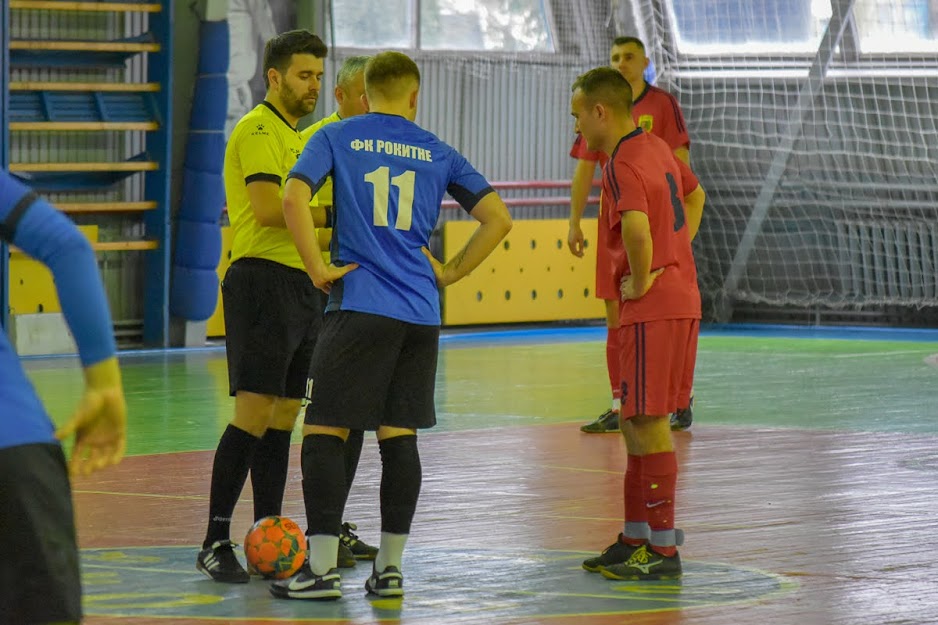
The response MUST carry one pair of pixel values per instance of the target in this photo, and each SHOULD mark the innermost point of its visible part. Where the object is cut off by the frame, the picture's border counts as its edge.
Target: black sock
(324, 490)
(353, 451)
(269, 472)
(229, 471)
(401, 475)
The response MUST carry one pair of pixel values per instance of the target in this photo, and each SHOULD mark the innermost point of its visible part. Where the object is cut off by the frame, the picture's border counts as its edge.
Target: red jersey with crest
(655, 111)
(644, 175)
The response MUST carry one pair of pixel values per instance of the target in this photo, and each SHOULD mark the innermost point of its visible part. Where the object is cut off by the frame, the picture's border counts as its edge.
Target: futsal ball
(275, 547)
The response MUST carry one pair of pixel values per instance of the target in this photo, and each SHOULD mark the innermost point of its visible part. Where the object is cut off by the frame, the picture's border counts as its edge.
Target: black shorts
(39, 575)
(273, 314)
(370, 370)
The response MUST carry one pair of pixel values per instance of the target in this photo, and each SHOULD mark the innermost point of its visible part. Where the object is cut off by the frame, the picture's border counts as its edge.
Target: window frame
(850, 48)
(415, 37)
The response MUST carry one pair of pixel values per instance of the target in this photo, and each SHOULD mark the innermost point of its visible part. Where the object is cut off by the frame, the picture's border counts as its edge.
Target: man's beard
(296, 106)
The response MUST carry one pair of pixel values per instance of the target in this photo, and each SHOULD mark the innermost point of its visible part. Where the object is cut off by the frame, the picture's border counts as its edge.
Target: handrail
(82, 46)
(69, 167)
(124, 246)
(73, 208)
(84, 126)
(63, 5)
(530, 201)
(32, 85)
(537, 184)
(109, 246)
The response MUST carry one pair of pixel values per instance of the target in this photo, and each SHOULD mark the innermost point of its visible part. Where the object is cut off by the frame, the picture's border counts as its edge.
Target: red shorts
(657, 361)
(606, 287)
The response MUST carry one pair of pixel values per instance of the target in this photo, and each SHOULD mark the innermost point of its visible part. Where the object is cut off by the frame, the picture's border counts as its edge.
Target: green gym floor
(808, 489)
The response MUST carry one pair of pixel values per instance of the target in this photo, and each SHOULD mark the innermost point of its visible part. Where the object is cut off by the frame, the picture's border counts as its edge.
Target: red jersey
(644, 175)
(655, 111)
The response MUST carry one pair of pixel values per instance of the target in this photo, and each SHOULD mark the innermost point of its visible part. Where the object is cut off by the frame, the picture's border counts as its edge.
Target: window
(749, 26)
(897, 25)
(373, 23)
(480, 25)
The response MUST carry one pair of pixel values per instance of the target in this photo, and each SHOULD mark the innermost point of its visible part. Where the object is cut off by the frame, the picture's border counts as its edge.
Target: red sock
(659, 478)
(633, 492)
(612, 362)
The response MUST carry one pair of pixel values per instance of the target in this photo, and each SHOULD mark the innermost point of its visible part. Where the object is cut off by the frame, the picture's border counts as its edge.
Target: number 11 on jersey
(381, 180)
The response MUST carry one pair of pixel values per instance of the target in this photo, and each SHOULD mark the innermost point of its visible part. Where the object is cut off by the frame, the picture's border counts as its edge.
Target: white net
(815, 133)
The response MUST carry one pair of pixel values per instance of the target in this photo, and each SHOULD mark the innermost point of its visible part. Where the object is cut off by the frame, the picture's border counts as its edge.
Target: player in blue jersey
(39, 578)
(374, 366)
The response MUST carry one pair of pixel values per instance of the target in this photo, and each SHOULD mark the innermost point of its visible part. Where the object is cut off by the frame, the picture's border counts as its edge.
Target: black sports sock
(269, 472)
(353, 451)
(229, 471)
(401, 475)
(324, 485)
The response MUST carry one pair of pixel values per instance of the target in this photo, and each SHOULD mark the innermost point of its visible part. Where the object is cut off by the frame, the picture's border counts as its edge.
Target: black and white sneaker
(388, 583)
(308, 585)
(359, 548)
(221, 564)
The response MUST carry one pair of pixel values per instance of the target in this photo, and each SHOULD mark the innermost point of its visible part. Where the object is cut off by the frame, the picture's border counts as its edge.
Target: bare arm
(639, 248)
(267, 206)
(580, 188)
(265, 203)
(494, 223)
(693, 210)
(299, 221)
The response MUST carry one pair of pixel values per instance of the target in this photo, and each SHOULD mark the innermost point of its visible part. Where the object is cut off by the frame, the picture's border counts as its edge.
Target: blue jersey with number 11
(389, 177)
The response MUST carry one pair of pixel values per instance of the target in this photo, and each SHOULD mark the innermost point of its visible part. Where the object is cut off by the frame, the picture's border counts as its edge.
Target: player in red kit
(651, 208)
(657, 112)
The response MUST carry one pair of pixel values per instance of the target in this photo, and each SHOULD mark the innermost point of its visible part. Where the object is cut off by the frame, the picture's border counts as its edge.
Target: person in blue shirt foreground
(39, 574)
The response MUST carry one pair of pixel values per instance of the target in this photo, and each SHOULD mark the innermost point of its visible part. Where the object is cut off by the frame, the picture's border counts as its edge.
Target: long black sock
(324, 485)
(353, 451)
(229, 471)
(401, 475)
(269, 472)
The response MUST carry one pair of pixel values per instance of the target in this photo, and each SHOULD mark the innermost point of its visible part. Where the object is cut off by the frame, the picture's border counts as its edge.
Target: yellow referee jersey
(324, 196)
(263, 146)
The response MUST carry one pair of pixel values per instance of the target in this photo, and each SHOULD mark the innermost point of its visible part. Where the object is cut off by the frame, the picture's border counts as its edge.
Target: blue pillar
(156, 222)
(4, 148)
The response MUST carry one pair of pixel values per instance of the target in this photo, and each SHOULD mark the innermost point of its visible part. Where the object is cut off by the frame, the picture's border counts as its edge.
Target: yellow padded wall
(531, 276)
(32, 289)
(215, 326)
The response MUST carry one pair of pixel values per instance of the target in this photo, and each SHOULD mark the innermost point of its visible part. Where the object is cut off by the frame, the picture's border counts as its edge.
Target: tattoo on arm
(459, 258)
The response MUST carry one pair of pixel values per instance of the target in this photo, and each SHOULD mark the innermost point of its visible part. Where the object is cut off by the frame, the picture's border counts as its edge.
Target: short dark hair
(606, 86)
(621, 41)
(279, 51)
(385, 71)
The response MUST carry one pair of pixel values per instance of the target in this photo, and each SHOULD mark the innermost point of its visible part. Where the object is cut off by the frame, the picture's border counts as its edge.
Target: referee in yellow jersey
(272, 310)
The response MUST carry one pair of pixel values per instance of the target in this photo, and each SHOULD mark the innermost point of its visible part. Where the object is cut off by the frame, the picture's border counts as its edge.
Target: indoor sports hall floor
(808, 489)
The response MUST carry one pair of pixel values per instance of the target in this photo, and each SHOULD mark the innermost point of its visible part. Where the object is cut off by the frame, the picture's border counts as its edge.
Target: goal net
(815, 134)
